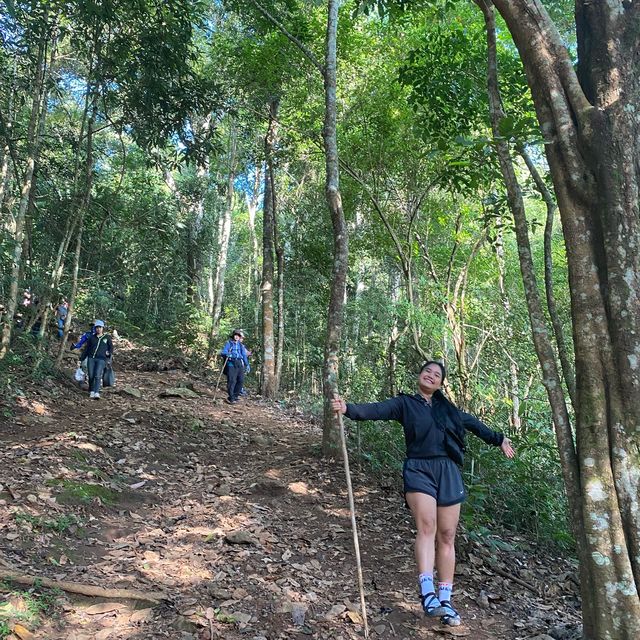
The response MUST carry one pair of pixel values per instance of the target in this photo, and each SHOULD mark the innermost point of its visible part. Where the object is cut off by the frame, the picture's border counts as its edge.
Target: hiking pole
(354, 526)
(224, 364)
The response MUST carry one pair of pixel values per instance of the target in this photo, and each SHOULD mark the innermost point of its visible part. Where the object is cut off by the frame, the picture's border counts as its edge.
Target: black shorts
(439, 478)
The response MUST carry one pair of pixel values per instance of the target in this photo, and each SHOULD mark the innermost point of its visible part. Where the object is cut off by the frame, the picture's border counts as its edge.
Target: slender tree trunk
(594, 157)
(404, 256)
(340, 235)
(194, 233)
(5, 178)
(8, 151)
(195, 211)
(454, 309)
(72, 295)
(514, 385)
(38, 111)
(84, 209)
(72, 220)
(56, 273)
(268, 381)
(254, 271)
(394, 336)
(279, 246)
(224, 237)
(563, 352)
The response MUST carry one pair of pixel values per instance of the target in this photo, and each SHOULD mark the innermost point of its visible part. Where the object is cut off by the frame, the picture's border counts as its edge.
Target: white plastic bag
(78, 376)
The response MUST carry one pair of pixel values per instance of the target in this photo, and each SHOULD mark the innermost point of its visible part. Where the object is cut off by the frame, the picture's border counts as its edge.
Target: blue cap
(98, 323)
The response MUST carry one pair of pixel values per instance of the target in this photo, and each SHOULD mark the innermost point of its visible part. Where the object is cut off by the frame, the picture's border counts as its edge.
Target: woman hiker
(434, 432)
(98, 350)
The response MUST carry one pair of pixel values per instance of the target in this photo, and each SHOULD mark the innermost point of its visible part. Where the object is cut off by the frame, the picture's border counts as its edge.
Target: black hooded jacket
(98, 347)
(429, 431)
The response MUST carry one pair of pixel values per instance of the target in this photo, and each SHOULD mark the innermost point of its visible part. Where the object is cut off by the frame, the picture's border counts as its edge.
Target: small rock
(130, 391)
(242, 618)
(380, 629)
(222, 490)
(483, 599)
(239, 537)
(335, 611)
(179, 392)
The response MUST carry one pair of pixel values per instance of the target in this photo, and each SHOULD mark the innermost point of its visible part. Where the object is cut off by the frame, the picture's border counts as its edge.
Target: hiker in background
(84, 337)
(61, 314)
(434, 431)
(98, 351)
(237, 361)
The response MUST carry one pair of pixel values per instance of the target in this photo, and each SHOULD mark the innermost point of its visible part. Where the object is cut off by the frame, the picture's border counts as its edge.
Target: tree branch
(303, 48)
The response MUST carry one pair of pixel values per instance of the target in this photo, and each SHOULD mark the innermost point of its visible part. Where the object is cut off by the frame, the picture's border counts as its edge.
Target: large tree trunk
(38, 111)
(268, 382)
(340, 235)
(592, 134)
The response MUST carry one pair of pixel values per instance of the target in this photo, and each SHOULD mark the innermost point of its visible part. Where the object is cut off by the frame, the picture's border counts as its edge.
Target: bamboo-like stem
(354, 525)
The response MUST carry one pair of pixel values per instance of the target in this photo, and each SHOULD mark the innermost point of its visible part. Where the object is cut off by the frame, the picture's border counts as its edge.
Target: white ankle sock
(444, 591)
(426, 583)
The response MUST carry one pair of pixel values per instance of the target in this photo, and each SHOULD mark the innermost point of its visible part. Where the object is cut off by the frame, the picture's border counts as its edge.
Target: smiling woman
(434, 431)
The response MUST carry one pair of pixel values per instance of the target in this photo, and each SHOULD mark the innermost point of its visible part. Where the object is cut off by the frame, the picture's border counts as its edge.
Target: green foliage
(26, 607)
(59, 524)
(27, 355)
(74, 492)
(525, 494)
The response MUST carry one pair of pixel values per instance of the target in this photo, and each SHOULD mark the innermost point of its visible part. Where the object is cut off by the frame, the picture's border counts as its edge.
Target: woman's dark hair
(442, 369)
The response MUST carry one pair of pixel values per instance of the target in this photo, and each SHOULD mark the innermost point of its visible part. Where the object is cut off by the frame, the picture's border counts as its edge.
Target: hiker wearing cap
(434, 431)
(98, 350)
(237, 361)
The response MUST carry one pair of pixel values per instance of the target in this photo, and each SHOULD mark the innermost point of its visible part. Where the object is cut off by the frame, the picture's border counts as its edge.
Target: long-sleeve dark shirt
(424, 425)
(100, 348)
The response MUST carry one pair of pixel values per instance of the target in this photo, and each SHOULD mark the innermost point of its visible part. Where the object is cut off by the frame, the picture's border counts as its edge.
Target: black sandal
(449, 615)
(431, 605)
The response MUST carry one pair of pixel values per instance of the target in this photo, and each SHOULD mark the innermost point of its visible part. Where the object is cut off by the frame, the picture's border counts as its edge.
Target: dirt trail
(229, 512)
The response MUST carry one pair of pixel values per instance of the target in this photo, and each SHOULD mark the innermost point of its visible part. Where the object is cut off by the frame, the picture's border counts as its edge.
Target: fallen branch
(82, 589)
(510, 576)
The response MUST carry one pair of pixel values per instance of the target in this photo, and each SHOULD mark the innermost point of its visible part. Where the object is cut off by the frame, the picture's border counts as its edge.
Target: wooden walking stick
(215, 393)
(354, 526)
